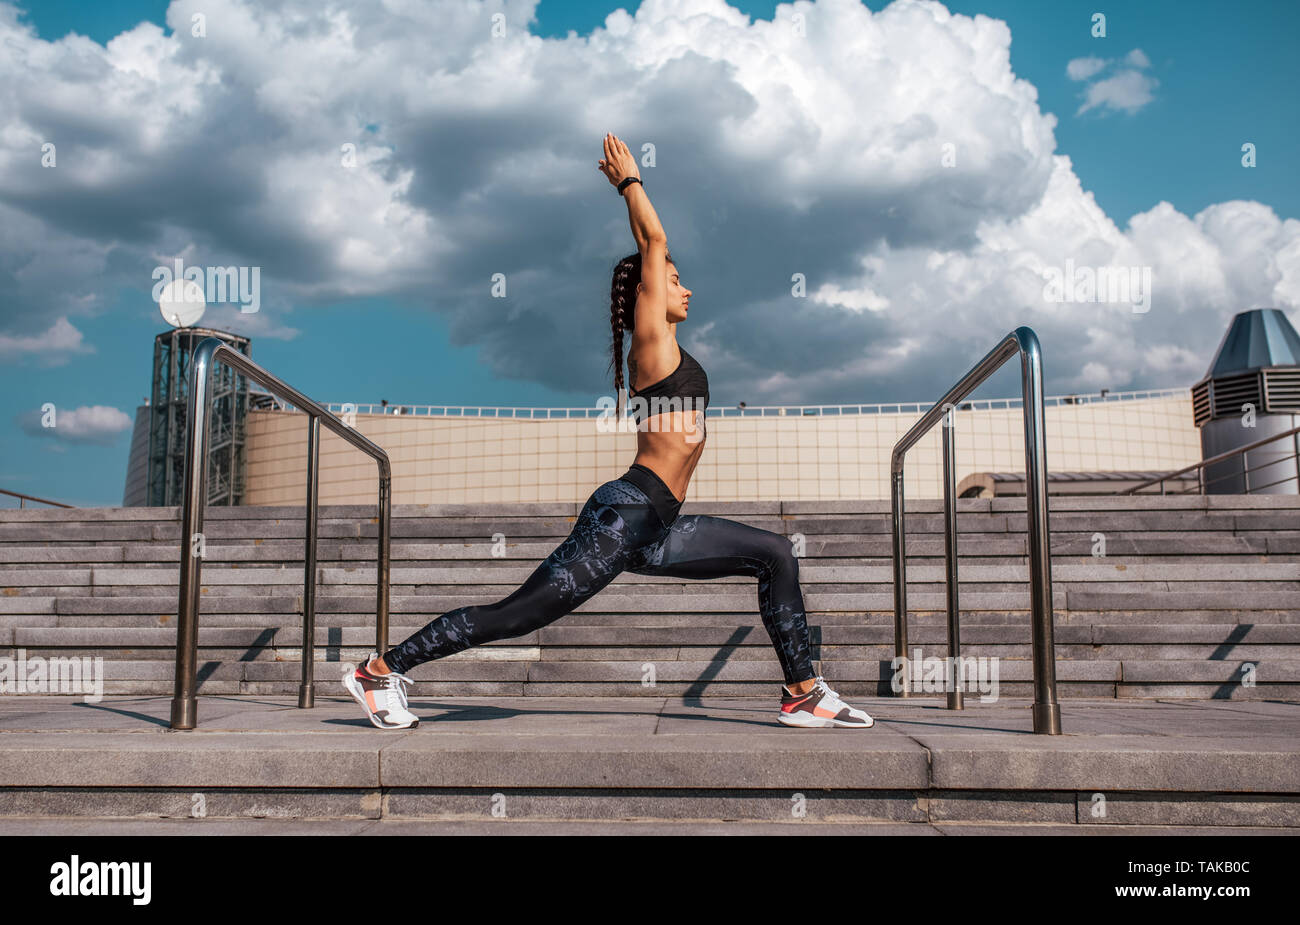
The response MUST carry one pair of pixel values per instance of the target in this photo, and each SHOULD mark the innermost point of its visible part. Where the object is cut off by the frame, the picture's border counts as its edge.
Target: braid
(622, 313)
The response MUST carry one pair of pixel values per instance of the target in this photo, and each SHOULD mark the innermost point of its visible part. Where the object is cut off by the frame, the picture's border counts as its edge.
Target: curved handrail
(211, 350)
(1022, 341)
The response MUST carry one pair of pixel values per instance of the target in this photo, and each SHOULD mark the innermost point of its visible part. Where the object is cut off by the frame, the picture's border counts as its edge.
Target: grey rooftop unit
(1251, 391)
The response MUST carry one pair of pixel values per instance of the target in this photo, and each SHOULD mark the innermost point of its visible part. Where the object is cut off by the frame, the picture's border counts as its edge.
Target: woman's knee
(511, 623)
(555, 588)
(541, 600)
(779, 552)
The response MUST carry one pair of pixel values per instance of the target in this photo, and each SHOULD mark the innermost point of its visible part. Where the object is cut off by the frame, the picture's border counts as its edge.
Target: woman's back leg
(609, 529)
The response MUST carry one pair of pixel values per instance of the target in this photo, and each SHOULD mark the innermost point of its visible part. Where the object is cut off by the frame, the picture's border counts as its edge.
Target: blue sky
(1178, 88)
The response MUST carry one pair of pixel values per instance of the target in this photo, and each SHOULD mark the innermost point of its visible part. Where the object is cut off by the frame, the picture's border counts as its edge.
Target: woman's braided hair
(622, 313)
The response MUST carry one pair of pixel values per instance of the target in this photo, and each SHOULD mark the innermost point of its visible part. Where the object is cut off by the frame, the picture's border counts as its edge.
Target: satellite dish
(181, 303)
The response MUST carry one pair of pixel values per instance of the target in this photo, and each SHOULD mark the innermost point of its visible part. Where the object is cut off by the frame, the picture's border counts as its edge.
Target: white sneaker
(382, 696)
(820, 706)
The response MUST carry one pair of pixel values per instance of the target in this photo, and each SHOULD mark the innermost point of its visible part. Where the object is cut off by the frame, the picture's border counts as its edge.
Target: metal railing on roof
(557, 413)
(1023, 342)
(1244, 473)
(22, 497)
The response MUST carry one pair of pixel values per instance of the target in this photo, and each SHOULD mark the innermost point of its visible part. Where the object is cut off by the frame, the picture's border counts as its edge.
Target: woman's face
(678, 296)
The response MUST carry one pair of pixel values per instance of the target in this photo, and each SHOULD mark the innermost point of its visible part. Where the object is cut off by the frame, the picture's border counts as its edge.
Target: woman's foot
(819, 707)
(383, 697)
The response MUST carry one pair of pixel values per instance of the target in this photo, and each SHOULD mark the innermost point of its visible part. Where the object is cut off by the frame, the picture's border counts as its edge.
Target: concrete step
(825, 508)
(478, 760)
(286, 646)
(1148, 526)
(1084, 595)
(843, 626)
(524, 556)
(244, 610)
(514, 570)
(851, 551)
(282, 821)
(1276, 517)
(516, 670)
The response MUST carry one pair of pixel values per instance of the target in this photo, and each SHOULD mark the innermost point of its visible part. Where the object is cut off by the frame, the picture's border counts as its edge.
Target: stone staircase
(1193, 596)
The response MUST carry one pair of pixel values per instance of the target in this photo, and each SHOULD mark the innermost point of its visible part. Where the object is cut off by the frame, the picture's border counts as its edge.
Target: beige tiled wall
(459, 459)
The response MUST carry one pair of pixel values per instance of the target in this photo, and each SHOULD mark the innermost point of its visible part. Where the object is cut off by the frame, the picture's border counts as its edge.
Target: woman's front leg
(700, 546)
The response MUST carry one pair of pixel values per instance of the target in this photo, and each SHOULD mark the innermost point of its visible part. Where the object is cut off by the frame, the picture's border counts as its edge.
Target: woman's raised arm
(619, 164)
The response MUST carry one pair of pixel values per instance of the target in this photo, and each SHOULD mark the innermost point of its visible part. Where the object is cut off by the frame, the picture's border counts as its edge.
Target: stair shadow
(264, 640)
(958, 727)
(715, 665)
(166, 720)
(1236, 636)
(145, 717)
(474, 713)
(202, 673)
(1224, 690)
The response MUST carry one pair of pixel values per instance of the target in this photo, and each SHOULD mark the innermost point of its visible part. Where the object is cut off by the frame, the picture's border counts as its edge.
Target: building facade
(441, 455)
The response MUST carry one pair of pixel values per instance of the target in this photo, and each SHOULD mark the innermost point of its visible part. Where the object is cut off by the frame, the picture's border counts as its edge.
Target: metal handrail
(1228, 454)
(210, 351)
(1022, 341)
(20, 496)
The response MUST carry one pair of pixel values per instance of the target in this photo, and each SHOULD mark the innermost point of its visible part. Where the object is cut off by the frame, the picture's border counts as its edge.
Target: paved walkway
(921, 768)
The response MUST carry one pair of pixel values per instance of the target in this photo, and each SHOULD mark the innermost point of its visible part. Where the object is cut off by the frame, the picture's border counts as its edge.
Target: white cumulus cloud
(52, 347)
(1083, 68)
(88, 424)
(413, 151)
(1126, 88)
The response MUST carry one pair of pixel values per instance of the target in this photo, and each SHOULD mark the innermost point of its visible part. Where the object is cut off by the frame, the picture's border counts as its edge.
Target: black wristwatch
(626, 182)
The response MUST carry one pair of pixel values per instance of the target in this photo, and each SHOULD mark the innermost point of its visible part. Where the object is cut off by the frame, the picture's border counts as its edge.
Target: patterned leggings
(620, 529)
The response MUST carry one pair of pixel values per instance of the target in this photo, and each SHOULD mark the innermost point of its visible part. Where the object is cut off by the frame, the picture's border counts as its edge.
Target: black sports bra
(688, 380)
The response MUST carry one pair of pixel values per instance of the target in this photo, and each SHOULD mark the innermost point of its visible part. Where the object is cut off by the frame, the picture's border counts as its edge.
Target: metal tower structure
(172, 352)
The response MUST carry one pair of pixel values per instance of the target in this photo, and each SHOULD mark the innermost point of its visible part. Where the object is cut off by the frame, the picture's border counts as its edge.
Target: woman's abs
(671, 444)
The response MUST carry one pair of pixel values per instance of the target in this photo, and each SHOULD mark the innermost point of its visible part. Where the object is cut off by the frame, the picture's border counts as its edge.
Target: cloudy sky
(920, 165)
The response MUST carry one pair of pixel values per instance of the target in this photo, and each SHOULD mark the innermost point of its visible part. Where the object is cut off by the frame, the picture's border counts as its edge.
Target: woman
(631, 523)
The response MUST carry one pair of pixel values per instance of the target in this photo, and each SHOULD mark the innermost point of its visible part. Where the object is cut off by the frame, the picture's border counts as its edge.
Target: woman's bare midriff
(670, 444)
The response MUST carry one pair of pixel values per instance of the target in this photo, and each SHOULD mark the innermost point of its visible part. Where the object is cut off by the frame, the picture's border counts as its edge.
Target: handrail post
(184, 694)
(955, 701)
(307, 689)
(383, 562)
(1047, 712)
(900, 581)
